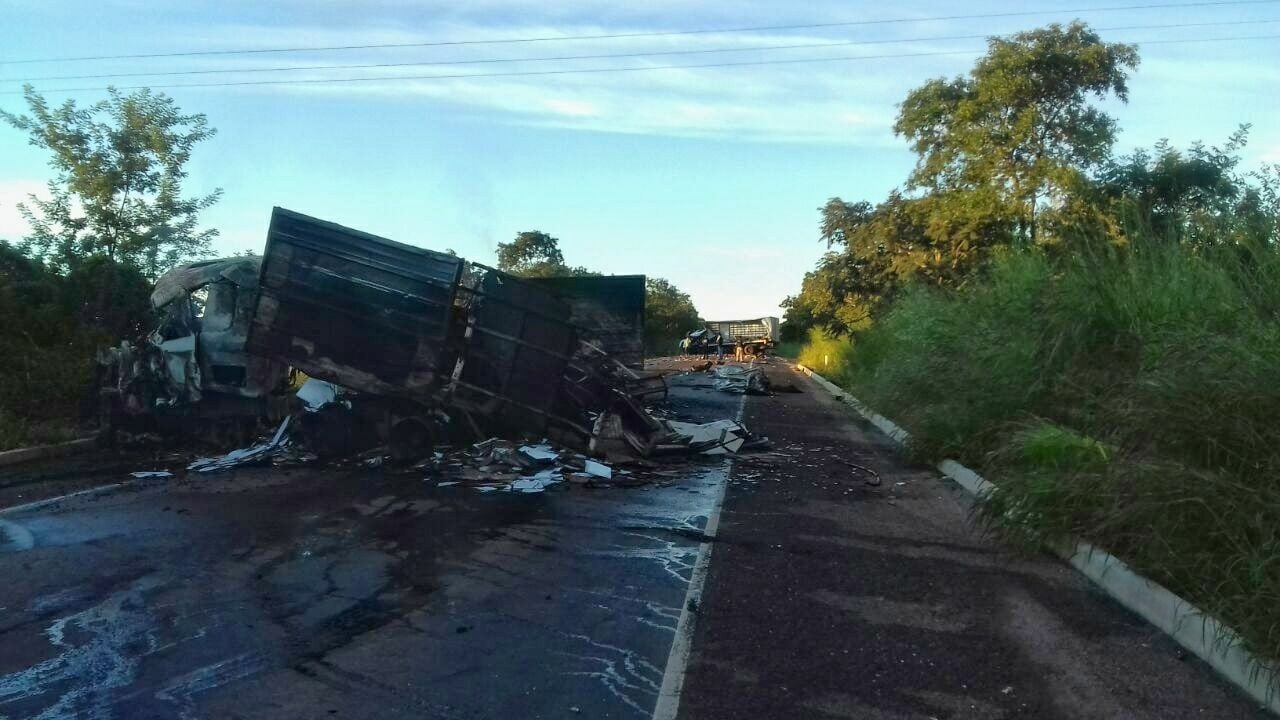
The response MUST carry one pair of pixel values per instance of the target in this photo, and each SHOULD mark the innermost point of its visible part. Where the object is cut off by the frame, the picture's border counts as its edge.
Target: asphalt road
(831, 598)
(315, 593)
(324, 593)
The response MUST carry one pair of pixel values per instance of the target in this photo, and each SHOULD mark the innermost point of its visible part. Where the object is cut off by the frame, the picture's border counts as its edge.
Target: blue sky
(709, 177)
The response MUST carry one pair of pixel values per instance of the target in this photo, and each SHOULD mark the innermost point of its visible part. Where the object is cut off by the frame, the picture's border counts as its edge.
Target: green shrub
(51, 325)
(954, 366)
(1126, 395)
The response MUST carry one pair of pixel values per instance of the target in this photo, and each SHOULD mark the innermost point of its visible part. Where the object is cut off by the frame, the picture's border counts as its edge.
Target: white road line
(52, 500)
(682, 645)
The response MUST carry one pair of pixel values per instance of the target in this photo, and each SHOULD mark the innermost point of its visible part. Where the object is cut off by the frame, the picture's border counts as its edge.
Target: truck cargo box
(609, 310)
(352, 308)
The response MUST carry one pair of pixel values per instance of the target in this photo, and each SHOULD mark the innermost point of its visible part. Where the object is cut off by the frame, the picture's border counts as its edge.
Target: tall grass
(1125, 395)
(831, 356)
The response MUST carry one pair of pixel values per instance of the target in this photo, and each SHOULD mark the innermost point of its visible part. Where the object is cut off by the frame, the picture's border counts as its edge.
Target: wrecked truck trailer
(192, 374)
(610, 308)
(429, 340)
(609, 313)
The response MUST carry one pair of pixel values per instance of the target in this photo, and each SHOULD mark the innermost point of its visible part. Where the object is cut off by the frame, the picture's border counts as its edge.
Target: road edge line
(1198, 632)
(668, 704)
(49, 501)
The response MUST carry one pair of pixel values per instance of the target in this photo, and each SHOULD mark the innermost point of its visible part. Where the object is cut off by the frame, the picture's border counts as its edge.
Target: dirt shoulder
(829, 597)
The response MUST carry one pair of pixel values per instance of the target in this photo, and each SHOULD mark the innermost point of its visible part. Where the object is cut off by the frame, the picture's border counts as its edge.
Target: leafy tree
(120, 166)
(669, 315)
(1190, 196)
(1021, 121)
(940, 239)
(532, 254)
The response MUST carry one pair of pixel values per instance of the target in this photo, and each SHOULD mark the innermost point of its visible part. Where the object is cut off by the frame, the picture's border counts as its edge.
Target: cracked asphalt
(313, 593)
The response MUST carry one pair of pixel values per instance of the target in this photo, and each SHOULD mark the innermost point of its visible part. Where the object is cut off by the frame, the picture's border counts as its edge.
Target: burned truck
(752, 337)
(192, 374)
(422, 343)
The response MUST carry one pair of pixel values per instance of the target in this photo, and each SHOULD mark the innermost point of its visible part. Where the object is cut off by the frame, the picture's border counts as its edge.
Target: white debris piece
(599, 469)
(317, 393)
(722, 437)
(535, 483)
(243, 455)
(540, 453)
(151, 474)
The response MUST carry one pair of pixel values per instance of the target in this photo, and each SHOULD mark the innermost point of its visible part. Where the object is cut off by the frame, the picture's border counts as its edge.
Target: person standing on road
(719, 349)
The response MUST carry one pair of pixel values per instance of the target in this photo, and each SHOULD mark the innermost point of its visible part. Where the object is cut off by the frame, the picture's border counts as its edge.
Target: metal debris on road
(260, 452)
(741, 379)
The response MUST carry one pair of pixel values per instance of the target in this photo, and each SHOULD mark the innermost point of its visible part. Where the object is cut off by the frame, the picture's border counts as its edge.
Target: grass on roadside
(1127, 396)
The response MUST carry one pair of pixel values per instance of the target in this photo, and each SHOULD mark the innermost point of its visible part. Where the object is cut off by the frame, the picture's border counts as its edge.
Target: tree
(1021, 121)
(532, 254)
(669, 315)
(939, 239)
(120, 166)
(1188, 196)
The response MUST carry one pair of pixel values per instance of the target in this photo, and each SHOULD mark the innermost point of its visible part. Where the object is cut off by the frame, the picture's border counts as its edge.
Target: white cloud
(570, 108)
(847, 102)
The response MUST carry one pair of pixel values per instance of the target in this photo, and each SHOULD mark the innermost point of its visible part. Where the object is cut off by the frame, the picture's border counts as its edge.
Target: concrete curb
(36, 504)
(42, 452)
(1190, 627)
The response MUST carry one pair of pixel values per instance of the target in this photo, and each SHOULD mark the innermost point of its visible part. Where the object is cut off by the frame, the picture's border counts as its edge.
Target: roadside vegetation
(1099, 333)
(113, 219)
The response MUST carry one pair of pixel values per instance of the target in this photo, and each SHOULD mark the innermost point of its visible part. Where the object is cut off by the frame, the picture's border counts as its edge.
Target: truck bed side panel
(353, 308)
(609, 309)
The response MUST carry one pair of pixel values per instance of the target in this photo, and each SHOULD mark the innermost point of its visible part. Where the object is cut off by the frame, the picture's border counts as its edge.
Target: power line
(578, 71)
(655, 33)
(656, 53)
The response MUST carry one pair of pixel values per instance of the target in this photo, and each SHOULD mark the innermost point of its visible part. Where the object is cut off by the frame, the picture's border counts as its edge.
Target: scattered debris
(260, 452)
(741, 379)
(151, 474)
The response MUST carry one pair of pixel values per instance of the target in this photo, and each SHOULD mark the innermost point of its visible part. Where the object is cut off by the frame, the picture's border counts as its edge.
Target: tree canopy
(1016, 152)
(120, 165)
(1022, 121)
(669, 315)
(532, 253)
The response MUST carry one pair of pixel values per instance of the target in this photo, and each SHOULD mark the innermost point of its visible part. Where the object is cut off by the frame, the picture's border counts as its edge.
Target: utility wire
(655, 53)
(655, 33)
(578, 71)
